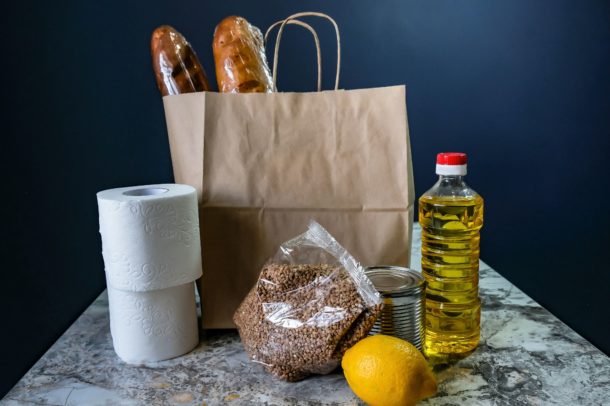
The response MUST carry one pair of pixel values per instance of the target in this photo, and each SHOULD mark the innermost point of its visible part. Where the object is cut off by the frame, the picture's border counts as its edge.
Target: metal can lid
(392, 280)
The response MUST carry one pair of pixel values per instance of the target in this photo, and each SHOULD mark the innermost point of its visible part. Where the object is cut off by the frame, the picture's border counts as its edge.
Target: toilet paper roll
(155, 325)
(150, 236)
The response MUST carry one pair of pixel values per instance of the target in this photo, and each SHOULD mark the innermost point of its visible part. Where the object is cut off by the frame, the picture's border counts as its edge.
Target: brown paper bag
(264, 164)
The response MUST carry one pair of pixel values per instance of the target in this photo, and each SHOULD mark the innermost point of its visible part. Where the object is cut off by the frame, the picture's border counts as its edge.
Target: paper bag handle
(315, 38)
(279, 36)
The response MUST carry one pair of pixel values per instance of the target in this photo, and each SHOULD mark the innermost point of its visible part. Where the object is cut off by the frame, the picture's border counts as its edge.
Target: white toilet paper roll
(150, 236)
(155, 325)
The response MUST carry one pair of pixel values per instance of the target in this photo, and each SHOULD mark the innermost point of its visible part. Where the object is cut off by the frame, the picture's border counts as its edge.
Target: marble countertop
(526, 357)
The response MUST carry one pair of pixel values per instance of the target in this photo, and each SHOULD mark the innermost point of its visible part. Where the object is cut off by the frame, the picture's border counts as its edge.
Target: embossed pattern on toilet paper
(154, 325)
(168, 223)
(150, 242)
(130, 265)
(151, 318)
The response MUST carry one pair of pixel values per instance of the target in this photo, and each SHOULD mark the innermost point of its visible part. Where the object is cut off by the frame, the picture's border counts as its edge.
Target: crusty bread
(176, 65)
(239, 55)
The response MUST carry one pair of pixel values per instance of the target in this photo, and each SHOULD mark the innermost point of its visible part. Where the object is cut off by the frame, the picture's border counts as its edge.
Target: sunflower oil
(451, 216)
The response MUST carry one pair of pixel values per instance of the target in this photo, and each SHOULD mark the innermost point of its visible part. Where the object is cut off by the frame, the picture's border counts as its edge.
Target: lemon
(388, 371)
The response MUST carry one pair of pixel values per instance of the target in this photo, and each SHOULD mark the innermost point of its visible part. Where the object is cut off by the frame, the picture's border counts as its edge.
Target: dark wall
(522, 86)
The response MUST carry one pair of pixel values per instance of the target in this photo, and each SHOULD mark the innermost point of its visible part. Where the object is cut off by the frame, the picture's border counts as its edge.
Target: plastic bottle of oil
(451, 217)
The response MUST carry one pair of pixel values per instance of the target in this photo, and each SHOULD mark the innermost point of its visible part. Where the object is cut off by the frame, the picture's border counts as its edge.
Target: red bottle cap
(451, 158)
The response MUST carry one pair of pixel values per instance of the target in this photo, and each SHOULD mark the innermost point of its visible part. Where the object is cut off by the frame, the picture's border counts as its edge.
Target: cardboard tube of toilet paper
(154, 325)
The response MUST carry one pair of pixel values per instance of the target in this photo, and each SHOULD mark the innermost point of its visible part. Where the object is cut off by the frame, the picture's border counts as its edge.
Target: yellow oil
(450, 263)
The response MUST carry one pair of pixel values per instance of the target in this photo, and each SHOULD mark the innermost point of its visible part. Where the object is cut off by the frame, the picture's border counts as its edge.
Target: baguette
(239, 56)
(177, 68)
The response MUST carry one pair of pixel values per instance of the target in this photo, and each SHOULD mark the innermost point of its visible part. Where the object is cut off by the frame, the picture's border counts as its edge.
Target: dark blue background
(522, 86)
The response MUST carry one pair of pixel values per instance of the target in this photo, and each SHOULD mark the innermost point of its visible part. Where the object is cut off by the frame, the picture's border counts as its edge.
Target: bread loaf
(239, 56)
(175, 63)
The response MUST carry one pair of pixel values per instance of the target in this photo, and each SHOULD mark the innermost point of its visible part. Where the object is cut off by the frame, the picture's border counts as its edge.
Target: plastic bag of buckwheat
(312, 302)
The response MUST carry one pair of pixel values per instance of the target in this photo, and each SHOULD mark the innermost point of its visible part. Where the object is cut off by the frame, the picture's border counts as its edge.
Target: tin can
(403, 314)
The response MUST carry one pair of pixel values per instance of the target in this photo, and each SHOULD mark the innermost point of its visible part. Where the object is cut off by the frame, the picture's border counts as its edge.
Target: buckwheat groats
(300, 319)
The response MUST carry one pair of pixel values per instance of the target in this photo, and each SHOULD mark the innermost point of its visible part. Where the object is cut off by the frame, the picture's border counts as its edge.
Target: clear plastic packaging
(311, 303)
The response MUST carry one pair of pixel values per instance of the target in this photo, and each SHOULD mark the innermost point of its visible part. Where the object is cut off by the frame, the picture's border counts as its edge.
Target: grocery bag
(265, 164)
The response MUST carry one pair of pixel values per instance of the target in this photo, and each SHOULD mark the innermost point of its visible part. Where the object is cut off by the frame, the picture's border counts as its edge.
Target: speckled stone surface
(526, 357)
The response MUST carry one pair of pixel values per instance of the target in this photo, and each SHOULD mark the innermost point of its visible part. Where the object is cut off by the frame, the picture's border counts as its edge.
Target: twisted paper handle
(315, 38)
(289, 20)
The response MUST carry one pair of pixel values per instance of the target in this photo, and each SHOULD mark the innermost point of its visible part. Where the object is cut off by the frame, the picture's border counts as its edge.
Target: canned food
(403, 314)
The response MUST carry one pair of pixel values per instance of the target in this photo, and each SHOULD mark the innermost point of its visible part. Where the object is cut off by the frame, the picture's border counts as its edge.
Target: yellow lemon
(388, 371)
